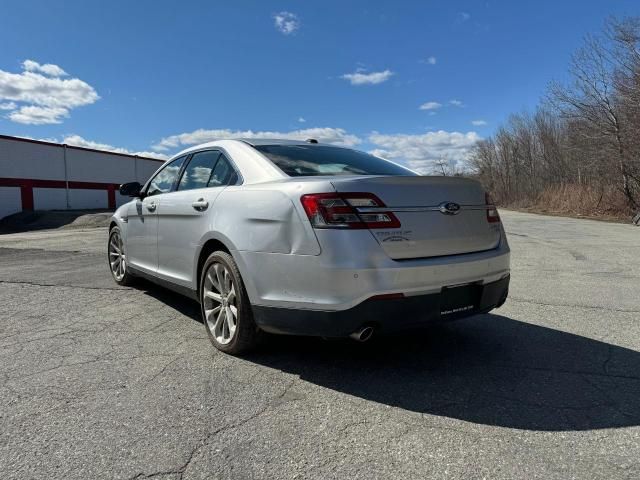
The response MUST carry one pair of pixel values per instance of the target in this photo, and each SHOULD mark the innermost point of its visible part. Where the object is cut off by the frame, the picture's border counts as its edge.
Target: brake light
(340, 210)
(492, 211)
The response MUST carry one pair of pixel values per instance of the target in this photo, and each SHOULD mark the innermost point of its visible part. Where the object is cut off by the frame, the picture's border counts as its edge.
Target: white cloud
(478, 123)
(78, 141)
(417, 151)
(47, 68)
(146, 153)
(337, 136)
(43, 97)
(301, 119)
(456, 103)
(430, 106)
(8, 106)
(373, 78)
(34, 115)
(378, 152)
(430, 60)
(463, 17)
(286, 22)
(420, 151)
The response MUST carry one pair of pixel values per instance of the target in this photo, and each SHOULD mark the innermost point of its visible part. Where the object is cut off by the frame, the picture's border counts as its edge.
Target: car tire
(225, 307)
(117, 258)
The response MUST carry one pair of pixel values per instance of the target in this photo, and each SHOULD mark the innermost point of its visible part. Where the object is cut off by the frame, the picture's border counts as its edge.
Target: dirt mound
(40, 220)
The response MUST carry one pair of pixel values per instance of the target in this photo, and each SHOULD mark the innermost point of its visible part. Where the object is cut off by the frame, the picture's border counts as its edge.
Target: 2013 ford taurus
(298, 237)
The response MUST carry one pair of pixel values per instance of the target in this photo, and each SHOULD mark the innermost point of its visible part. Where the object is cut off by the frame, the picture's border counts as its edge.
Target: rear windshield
(309, 160)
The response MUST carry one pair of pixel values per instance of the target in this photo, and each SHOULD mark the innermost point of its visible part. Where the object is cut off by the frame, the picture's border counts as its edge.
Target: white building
(37, 175)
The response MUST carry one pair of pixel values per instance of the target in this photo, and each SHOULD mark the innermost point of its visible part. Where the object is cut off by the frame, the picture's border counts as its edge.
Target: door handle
(200, 205)
(151, 207)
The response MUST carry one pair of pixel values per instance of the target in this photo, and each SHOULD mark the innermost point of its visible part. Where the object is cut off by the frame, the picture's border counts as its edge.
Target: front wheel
(226, 311)
(117, 258)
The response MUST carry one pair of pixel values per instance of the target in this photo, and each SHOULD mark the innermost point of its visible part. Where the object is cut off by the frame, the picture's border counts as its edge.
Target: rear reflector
(387, 296)
(339, 210)
(492, 212)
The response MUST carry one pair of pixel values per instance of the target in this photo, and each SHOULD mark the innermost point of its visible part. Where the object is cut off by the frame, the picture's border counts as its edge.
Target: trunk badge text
(449, 208)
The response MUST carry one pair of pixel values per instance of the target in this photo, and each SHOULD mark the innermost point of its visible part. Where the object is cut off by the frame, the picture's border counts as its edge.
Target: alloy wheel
(220, 303)
(117, 258)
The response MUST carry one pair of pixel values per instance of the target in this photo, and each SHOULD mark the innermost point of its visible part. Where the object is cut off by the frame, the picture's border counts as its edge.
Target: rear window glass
(223, 174)
(310, 160)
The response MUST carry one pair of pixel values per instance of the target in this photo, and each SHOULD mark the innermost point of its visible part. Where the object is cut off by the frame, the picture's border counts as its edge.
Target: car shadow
(186, 306)
(488, 369)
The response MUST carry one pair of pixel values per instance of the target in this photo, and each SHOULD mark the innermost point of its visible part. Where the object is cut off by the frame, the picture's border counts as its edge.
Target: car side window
(165, 179)
(198, 171)
(223, 174)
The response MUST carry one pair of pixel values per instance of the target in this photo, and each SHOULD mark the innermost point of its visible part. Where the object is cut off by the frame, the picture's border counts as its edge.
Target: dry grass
(574, 200)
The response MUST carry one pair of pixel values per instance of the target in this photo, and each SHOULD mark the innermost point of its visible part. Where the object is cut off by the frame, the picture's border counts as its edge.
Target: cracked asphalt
(99, 381)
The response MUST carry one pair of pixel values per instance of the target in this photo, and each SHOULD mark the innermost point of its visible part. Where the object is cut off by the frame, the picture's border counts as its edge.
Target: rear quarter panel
(263, 220)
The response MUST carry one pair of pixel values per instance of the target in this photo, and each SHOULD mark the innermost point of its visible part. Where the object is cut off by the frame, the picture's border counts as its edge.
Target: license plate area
(459, 300)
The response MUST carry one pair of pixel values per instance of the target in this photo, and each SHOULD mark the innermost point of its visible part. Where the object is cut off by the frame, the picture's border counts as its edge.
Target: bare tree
(594, 99)
(584, 139)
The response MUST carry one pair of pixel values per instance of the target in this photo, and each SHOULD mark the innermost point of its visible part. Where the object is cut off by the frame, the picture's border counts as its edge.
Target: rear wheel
(226, 311)
(117, 258)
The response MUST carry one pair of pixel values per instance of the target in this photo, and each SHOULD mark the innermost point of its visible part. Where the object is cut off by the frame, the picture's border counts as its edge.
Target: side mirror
(131, 189)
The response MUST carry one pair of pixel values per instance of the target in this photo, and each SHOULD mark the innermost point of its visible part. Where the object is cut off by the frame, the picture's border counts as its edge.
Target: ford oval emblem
(449, 208)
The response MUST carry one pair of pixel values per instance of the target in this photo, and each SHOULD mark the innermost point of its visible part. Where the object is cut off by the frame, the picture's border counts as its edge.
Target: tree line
(580, 150)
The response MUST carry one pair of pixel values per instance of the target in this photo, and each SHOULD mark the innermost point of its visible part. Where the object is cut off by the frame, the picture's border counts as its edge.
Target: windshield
(311, 160)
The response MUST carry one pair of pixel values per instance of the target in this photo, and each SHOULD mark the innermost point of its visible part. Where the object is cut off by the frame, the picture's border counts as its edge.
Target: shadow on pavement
(180, 303)
(487, 369)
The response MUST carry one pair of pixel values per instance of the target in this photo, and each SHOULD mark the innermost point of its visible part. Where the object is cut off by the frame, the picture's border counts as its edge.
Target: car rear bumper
(342, 278)
(386, 315)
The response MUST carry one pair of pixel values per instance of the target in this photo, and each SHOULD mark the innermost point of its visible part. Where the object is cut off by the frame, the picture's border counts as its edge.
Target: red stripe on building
(31, 182)
(37, 183)
(26, 195)
(28, 184)
(111, 193)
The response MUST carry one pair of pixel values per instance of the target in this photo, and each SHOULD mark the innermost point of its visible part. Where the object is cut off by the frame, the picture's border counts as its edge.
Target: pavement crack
(589, 307)
(57, 367)
(164, 368)
(568, 372)
(153, 475)
(59, 285)
(610, 401)
(180, 471)
(605, 364)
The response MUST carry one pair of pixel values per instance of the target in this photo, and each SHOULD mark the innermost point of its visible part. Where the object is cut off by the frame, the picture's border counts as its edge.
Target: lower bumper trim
(387, 315)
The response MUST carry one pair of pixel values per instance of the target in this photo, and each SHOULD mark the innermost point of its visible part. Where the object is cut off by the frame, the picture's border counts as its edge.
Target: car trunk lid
(438, 215)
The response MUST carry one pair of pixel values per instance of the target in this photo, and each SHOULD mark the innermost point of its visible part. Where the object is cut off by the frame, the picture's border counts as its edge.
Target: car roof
(276, 141)
(252, 142)
(249, 142)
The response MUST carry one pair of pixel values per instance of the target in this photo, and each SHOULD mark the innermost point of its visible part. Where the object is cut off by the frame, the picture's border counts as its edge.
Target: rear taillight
(347, 210)
(492, 211)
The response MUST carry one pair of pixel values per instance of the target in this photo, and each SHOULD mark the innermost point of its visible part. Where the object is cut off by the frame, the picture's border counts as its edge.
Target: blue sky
(157, 76)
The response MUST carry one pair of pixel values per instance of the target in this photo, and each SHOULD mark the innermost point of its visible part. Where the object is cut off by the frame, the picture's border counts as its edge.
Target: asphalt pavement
(100, 381)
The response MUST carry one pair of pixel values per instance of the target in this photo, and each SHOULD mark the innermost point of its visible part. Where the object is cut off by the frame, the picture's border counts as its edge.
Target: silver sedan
(297, 237)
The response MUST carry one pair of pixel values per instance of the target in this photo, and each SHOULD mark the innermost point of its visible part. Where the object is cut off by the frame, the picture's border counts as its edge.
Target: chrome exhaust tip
(362, 334)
